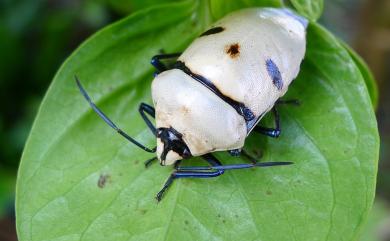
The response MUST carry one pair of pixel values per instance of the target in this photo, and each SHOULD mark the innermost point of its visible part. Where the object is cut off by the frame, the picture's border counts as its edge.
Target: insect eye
(159, 132)
(186, 153)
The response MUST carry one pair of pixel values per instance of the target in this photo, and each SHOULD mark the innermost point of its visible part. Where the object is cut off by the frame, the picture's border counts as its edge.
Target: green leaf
(78, 180)
(220, 8)
(130, 6)
(366, 73)
(311, 9)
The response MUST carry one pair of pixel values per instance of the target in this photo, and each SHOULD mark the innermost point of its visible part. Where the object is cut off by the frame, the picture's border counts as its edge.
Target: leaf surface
(311, 9)
(366, 73)
(78, 180)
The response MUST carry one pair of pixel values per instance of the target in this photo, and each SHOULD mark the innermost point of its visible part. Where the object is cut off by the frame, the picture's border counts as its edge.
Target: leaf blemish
(258, 153)
(143, 211)
(103, 179)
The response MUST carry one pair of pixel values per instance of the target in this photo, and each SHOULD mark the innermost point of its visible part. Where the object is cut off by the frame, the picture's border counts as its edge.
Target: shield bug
(218, 90)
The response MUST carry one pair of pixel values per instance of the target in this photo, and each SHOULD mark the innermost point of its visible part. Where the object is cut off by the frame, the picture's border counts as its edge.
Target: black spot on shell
(213, 31)
(274, 73)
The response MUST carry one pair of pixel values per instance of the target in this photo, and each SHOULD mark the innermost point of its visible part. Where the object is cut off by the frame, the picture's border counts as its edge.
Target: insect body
(220, 87)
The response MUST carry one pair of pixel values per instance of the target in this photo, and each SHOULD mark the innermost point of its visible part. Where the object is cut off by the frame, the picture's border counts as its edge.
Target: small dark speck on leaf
(347, 151)
(258, 153)
(223, 220)
(136, 162)
(219, 215)
(268, 192)
(143, 211)
(236, 216)
(186, 222)
(103, 180)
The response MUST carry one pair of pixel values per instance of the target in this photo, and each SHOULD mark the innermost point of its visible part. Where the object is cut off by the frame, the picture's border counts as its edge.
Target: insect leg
(272, 132)
(192, 172)
(295, 102)
(145, 108)
(108, 121)
(239, 152)
(149, 162)
(215, 169)
(156, 61)
(216, 165)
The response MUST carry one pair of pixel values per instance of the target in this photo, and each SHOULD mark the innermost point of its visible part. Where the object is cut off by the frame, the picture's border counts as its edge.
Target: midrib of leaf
(204, 17)
(245, 198)
(325, 159)
(174, 203)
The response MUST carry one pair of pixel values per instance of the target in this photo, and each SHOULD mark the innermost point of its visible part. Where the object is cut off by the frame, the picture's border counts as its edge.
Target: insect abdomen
(250, 56)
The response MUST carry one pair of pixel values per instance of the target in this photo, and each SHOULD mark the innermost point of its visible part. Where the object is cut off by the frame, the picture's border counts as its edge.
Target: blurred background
(36, 36)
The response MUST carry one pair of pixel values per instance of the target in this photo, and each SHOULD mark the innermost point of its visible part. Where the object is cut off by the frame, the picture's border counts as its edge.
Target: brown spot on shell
(233, 50)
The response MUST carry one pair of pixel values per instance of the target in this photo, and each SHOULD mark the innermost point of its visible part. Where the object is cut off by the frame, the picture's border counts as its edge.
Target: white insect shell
(227, 79)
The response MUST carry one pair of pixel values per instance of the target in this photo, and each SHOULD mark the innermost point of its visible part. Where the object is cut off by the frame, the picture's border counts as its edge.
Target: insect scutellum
(218, 90)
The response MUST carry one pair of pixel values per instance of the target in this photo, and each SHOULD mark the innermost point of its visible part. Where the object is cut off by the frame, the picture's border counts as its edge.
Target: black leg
(272, 132)
(149, 162)
(217, 165)
(108, 121)
(249, 157)
(275, 132)
(156, 61)
(192, 173)
(288, 102)
(145, 108)
(239, 152)
(215, 169)
(235, 152)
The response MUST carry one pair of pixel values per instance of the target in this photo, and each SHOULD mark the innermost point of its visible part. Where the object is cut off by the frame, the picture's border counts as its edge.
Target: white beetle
(220, 88)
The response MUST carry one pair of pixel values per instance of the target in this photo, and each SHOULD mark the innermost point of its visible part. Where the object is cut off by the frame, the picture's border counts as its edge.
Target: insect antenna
(108, 121)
